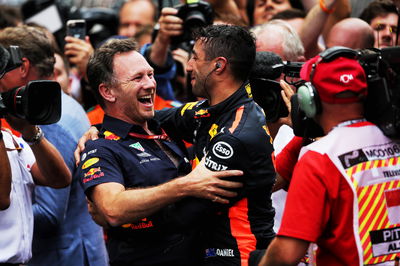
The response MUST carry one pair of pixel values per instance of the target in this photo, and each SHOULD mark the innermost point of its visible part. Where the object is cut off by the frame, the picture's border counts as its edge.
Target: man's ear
(24, 67)
(107, 93)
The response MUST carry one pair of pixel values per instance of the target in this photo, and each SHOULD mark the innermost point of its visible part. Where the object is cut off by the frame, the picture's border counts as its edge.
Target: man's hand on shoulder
(91, 134)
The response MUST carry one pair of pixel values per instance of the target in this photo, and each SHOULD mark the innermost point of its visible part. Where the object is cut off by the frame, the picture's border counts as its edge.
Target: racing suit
(231, 135)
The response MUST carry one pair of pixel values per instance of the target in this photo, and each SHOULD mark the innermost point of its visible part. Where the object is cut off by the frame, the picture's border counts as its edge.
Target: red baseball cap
(339, 75)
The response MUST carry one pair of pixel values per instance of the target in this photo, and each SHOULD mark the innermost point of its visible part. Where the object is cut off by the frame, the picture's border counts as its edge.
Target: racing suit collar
(238, 98)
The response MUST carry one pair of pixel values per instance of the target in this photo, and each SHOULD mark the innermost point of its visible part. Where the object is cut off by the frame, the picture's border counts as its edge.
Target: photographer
(32, 160)
(339, 178)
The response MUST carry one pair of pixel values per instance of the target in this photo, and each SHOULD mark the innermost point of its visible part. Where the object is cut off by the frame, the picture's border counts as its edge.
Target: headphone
(307, 94)
(217, 65)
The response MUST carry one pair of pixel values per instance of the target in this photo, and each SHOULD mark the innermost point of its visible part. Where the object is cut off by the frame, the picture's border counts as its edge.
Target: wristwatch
(36, 138)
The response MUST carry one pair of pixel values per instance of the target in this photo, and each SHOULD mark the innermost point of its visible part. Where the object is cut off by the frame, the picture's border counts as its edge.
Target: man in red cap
(344, 194)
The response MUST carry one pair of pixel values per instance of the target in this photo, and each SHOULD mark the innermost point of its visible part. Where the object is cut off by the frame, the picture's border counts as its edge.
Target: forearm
(159, 51)
(312, 29)
(51, 169)
(131, 205)
(5, 178)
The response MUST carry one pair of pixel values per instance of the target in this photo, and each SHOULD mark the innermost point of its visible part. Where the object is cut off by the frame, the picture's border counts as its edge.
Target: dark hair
(377, 8)
(288, 14)
(235, 43)
(100, 66)
(10, 16)
(251, 3)
(34, 45)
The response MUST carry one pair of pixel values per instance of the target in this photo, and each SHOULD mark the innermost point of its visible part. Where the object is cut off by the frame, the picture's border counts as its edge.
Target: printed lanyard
(163, 136)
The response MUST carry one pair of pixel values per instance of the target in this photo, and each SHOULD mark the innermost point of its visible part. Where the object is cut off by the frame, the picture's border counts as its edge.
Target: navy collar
(122, 128)
(238, 98)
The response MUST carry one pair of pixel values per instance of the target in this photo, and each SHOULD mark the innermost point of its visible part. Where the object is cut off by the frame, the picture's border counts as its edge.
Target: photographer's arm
(170, 25)
(319, 21)
(48, 159)
(5, 176)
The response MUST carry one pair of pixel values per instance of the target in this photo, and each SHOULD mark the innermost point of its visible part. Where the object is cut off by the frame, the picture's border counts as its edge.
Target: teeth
(146, 97)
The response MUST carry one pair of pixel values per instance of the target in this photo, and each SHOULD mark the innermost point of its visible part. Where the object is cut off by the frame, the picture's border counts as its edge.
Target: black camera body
(195, 14)
(39, 102)
(382, 104)
(267, 94)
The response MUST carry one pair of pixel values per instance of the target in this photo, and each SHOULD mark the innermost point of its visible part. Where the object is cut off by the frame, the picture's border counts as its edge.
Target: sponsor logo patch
(137, 146)
(222, 150)
(386, 241)
(214, 166)
(93, 173)
(111, 136)
(90, 162)
(220, 252)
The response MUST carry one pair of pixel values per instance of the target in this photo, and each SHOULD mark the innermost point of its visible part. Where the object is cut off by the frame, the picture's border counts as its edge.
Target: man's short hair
(235, 43)
(34, 45)
(291, 43)
(100, 66)
(377, 8)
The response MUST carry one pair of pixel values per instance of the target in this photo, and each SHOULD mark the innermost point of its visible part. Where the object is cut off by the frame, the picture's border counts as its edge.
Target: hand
(78, 52)
(21, 125)
(287, 92)
(91, 134)
(170, 24)
(203, 183)
(181, 56)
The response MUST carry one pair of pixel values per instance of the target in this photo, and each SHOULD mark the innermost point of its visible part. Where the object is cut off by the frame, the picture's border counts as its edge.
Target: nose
(149, 82)
(189, 65)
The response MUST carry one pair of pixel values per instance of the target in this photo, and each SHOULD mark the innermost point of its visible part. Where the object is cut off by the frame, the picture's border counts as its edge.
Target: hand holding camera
(170, 24)
(78, 47)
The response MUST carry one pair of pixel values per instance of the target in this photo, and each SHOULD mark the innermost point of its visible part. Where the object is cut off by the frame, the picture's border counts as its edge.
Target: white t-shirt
(16, 222)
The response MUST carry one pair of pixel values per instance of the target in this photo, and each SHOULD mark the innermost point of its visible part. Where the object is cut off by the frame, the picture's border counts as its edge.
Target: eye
(379, 27)
(260, 3)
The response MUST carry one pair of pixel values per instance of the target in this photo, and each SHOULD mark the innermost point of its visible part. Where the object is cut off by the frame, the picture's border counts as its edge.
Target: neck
(121, 116)
(222, 90)
(335, 114)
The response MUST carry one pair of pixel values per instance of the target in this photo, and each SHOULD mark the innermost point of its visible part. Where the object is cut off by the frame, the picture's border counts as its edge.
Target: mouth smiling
(148, 100)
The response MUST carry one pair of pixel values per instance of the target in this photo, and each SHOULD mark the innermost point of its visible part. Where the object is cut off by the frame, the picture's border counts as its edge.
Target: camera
(267, 94)
(382, 106)
(267, 68)
(39, 102)
(76, 28)
(195, 14)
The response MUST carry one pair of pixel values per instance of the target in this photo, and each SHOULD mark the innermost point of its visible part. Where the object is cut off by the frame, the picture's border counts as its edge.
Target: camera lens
(195, 19)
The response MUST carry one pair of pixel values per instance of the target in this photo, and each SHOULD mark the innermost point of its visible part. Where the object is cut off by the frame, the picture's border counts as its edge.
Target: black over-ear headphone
(307, 94)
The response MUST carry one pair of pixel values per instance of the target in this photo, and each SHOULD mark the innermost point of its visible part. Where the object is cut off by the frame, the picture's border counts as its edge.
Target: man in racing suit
(229, 130)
